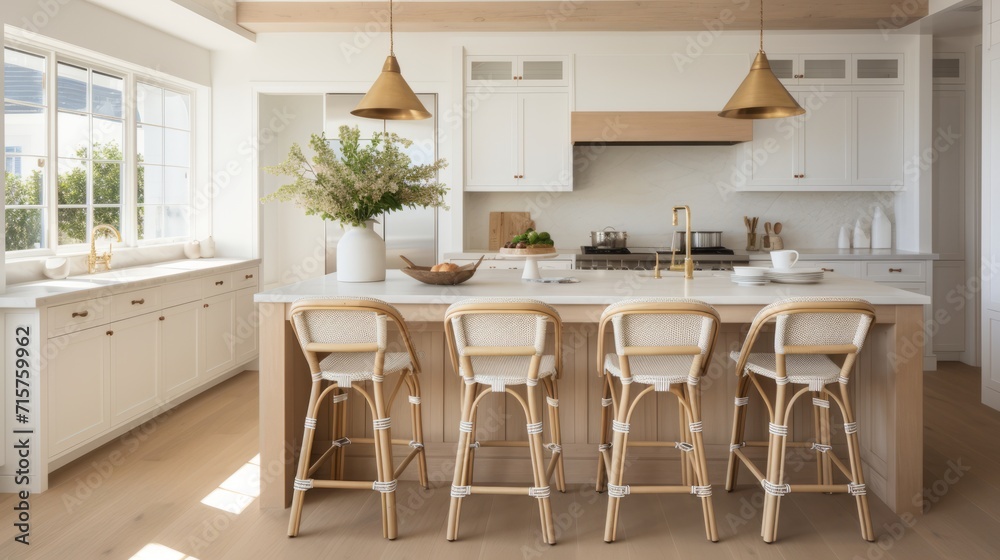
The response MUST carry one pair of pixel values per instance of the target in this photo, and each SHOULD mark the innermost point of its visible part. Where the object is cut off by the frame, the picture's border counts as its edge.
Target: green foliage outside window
(24, 226)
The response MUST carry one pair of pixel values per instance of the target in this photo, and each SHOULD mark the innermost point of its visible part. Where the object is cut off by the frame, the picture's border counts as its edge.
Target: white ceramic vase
(361, 255)
(207, 248)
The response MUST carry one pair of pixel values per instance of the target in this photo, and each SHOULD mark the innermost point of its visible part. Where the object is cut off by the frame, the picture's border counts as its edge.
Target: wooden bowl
(424, 274)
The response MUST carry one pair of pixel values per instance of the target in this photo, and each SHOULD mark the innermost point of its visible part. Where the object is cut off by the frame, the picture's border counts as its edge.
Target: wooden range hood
(658, 127)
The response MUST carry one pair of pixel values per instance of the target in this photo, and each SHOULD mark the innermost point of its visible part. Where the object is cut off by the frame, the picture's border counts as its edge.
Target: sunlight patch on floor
(239, 490)
(155, 551)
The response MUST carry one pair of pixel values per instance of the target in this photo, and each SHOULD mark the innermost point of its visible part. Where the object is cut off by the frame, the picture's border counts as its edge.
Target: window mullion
(130, 177)
(51, 201)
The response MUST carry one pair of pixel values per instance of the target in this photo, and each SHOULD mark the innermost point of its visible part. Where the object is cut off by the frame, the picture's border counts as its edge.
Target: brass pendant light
(761, 95)
(390, 97)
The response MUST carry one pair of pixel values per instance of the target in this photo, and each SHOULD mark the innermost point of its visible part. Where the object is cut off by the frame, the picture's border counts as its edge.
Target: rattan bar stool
(497, 344)
(665, 344)
(353, 334)
(807, 332)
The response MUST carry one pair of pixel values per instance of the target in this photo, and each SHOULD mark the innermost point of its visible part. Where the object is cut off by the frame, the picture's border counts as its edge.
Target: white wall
(712, 67)
(991, 205)
(292, 244)
(633, 188)
(87, 26)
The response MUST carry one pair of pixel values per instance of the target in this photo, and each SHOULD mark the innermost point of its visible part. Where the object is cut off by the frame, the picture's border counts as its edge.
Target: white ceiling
(206, 23)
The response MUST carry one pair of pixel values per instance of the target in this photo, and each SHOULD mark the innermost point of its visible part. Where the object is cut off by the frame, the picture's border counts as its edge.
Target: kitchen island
(888, 386)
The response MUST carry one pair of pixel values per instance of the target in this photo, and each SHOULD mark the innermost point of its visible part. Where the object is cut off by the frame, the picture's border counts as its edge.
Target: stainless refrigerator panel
(409, 232)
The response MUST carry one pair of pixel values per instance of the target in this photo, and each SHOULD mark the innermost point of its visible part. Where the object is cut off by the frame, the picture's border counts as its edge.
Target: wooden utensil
(505, 225)
(777, 228)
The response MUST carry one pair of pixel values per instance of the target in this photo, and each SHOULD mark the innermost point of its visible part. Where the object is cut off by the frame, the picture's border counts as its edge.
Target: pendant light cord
(761, 25)
(393, 53)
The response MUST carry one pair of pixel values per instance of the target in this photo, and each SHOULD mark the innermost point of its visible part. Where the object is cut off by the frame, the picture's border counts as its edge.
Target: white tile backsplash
(633, 188)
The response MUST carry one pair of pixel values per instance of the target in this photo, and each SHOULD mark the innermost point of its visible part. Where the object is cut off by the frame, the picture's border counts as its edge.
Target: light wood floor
(147, 488)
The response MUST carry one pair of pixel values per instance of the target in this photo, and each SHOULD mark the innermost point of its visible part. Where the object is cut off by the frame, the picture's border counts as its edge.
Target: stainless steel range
(644, 258)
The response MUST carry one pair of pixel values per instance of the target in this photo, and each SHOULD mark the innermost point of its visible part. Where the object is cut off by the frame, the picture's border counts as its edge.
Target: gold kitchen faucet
(105, 259)
(688, 266)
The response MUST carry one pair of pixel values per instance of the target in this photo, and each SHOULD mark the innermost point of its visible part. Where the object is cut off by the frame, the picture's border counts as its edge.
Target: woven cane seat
(360, 365)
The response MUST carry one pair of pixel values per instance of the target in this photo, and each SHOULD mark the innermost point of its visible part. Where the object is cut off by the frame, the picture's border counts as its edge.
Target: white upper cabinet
(517, 130)
(826, 138)
(491, 141)
(518, 141)
(546, 153)
(837, 69)
(949, 68)
(850, 141)
(811, 69)
(877, 69)
(516, 71)
(878, 150)
(810, 150)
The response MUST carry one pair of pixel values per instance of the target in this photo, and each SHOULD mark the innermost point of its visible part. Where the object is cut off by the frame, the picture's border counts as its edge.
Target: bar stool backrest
(822, 330)
(500, 327)
(355, 324)
(814, 325)
(668, 323)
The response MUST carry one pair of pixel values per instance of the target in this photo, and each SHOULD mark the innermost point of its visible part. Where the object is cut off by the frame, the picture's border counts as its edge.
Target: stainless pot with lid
(699, 240)
(608, 238)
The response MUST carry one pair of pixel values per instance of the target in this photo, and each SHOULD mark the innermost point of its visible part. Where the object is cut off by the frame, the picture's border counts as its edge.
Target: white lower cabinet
(109, 376)
(217, 342)
(180, 341)
(77, 388)
(134, 366)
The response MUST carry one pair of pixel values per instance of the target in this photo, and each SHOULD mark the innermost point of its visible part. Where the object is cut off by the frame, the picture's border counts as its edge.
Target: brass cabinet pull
(248, 276)
(110, 333)
(138, 301)
(895, 270)
(163, 318)
(205, 305)
(220, 282)
(827, 269)
(80, 314)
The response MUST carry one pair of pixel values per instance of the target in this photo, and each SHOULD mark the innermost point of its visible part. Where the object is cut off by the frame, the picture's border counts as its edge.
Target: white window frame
(56, 52)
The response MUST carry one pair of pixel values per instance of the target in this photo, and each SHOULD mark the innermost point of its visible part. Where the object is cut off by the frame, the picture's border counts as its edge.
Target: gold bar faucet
(93, 260)
(688, 266)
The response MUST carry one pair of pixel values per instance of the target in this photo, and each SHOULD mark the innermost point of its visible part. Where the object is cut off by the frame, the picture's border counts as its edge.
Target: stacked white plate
(795, 275)
(749, 275)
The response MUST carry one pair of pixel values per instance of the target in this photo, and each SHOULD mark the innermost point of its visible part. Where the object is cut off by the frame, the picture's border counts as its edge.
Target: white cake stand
(530, 273)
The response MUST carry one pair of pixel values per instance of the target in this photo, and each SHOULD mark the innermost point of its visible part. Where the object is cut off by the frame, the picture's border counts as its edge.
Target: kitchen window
(88, 143)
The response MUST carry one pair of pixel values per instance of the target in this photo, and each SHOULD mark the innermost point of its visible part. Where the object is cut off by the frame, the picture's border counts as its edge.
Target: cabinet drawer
(896, 271)
(556, 265)
(181, 292)
(72, 317)
(246, 278)
(216, 284)
(847, 268)
(131, 304)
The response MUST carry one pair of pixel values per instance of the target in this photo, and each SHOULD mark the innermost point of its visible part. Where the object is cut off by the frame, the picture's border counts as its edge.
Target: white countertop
(47, 292)
(852, 255)
(599, 287)
(820, 254)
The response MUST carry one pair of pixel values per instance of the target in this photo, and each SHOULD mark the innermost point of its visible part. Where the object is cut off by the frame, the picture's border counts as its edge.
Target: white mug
(784, 259)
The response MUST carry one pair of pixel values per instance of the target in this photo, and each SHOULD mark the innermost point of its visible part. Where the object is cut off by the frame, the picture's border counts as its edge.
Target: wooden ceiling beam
(581, 15)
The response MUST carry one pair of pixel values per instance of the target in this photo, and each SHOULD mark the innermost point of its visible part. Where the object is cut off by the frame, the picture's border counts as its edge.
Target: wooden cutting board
(505, 225)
